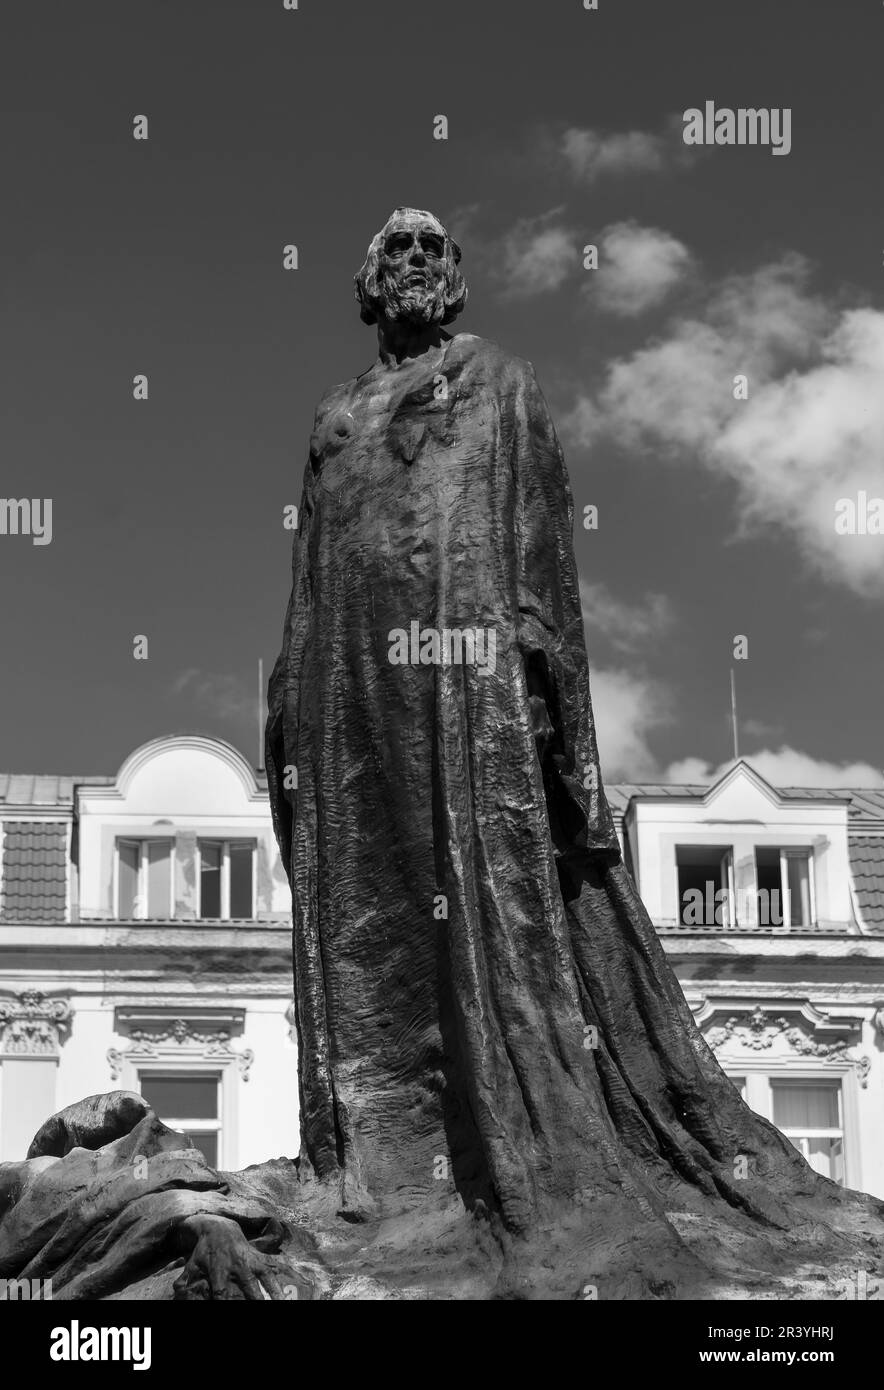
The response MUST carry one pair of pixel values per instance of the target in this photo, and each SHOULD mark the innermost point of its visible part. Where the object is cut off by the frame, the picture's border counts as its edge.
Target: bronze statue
(503, 1091)
(479, 991)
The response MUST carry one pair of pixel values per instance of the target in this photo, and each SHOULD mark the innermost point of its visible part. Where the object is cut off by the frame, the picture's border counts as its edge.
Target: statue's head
(410, 272)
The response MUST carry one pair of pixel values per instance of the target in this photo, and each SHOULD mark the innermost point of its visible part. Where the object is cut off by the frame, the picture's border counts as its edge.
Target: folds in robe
(476, 979)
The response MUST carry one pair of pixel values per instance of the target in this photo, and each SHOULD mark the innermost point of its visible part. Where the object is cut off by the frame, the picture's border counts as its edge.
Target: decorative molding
(146, 1042)
(807, 1033)
(177, 1038)
(290, 1021)
(33, 1024)
(863, 1066)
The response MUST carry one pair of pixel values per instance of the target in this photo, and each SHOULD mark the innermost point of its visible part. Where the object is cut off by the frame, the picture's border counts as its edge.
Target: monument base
(108, 1205)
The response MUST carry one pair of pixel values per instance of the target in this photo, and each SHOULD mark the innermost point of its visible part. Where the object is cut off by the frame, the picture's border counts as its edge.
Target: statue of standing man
(503, 1091)
(484, 1011)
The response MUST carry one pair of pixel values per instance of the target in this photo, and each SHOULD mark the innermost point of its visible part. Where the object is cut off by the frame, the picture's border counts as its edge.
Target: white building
(770, 905)
(145, 944)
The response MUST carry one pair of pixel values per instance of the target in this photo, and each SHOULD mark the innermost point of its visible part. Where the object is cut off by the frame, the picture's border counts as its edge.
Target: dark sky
(269, 126)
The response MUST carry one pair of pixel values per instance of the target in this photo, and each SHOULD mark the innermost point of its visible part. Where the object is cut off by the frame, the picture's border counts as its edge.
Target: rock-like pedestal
(109, 1206)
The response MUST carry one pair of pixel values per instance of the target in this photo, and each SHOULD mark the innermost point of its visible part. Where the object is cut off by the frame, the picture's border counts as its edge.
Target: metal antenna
(734, 716)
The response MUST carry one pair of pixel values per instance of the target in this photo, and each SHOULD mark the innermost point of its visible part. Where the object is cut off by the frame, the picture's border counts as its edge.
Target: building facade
(770, 906)
(145, 945)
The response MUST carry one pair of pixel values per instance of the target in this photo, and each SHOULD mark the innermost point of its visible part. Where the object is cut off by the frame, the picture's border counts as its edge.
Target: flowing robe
(480, 997)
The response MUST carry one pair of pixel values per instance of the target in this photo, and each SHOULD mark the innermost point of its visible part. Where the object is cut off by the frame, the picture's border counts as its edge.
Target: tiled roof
(39, 789)
(867, 869)
(866, 803)
(619, 794)
(50, 789)
(34, 871)
(32, 881)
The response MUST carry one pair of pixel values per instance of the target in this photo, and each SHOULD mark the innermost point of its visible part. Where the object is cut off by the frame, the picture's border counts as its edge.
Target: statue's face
(412, 269)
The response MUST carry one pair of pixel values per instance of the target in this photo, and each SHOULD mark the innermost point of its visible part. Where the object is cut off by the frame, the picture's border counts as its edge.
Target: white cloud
(785, 767)
(690, 769)
(627, 708)
(589, 153)
(593, 154)
(811, 431)
(582, 424)
(627, 626)
(638, 268)
(536, 256)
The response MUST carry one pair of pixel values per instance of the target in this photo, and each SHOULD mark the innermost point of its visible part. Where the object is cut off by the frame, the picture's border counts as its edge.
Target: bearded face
(411, 273)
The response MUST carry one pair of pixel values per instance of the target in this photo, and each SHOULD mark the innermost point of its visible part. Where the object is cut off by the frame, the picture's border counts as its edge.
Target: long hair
(368, 288)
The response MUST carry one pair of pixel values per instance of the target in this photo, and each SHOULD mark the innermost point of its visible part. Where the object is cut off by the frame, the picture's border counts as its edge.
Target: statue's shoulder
(489, 360)
(331, 400)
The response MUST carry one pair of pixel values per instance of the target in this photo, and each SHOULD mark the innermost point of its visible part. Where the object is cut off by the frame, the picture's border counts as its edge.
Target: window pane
(806, 1107)
(159, 869)
(767, 874)
(240, 879)
(826, 1156)
(182, 1097)
(703, 885)
(210, 879)
(799, 888)
(209, 1145)
(128, 880)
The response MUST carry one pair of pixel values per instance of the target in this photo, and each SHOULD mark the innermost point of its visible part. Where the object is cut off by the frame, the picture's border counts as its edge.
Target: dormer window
(784, 879)
(144, 885)
(706, 895)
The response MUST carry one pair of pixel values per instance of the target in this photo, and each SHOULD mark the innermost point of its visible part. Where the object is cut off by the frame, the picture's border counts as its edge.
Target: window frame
(225, 843)
(726, 884)
(761, 1079)
(193, 1071)
(142, 842)
(787, 852)
(805, 1133)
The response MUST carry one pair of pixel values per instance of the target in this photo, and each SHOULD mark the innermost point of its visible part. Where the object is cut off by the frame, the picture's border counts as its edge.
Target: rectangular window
(797, 878)
(159, 880)
(211, 862)
(706, 886)
(227, 879)
(240, 879)
(128, 862)
(144, 880)
(784, 879)
(189, 1103)
(809, 1114)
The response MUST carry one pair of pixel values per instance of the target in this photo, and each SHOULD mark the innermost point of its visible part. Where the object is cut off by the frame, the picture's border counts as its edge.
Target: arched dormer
(182, 833)
(188, 774)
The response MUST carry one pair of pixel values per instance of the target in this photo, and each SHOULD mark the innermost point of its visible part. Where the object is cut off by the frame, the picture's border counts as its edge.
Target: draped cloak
(480, 997)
